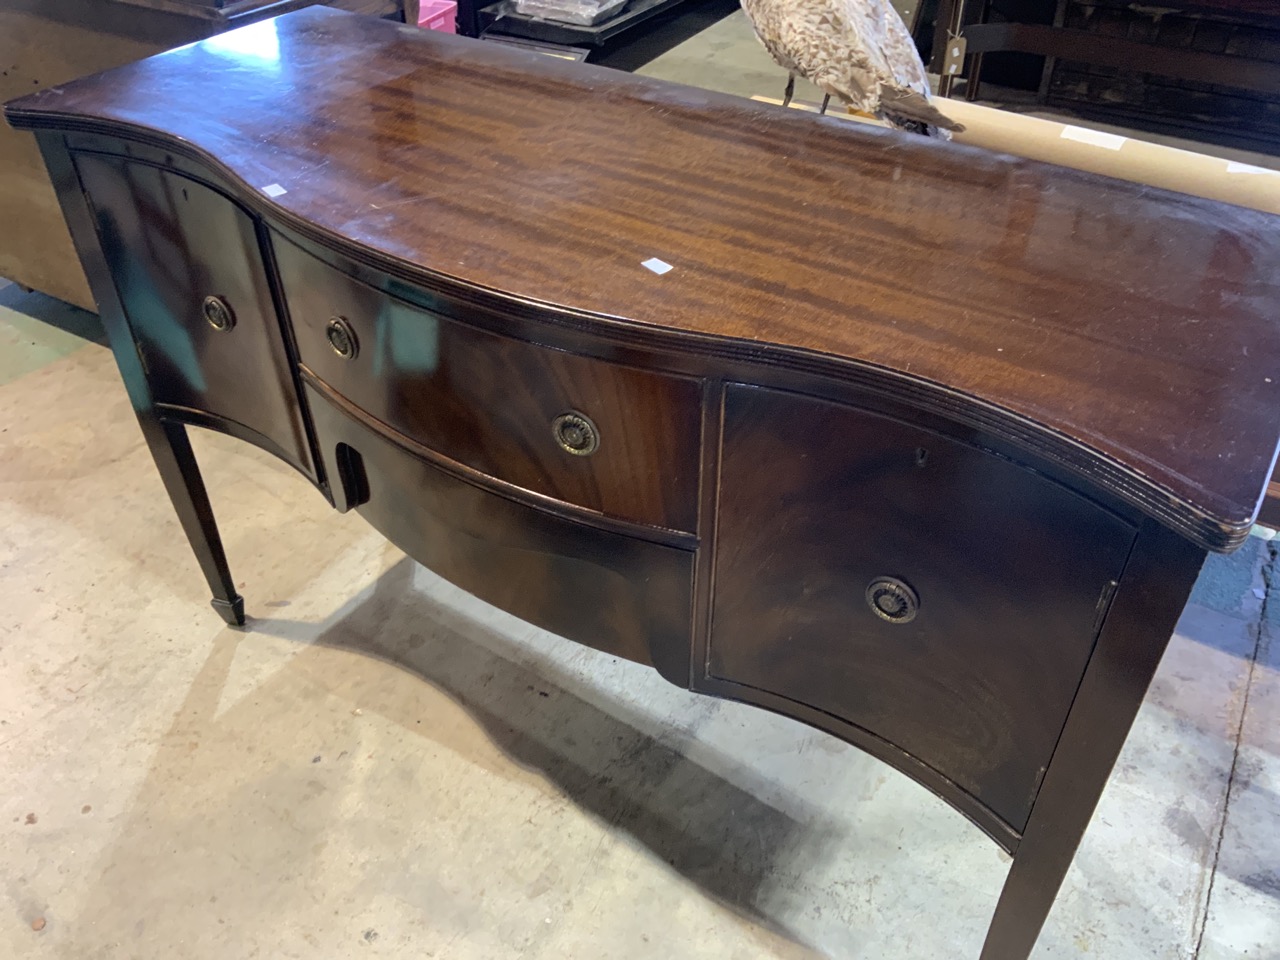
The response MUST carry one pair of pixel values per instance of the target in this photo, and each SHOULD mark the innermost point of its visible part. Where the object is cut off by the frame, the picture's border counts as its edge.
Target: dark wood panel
(1011, 572)
(491, 401)
(1127, 331)
(1242, 8)
(625, 596)
(170, 243)
(1123, 54)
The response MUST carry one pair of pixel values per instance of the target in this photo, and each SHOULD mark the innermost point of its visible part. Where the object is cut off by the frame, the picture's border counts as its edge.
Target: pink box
(438, 15)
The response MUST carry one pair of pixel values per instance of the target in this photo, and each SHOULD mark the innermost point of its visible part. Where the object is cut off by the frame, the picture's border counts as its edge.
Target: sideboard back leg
(171, 450)
(1153, 590)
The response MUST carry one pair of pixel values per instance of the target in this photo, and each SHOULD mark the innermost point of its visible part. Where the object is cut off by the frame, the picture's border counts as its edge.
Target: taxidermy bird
(857, 50)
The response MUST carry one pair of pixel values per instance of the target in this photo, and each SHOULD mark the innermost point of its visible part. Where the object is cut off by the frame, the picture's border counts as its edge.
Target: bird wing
(781, 55)
(874, 28)
(816, 39)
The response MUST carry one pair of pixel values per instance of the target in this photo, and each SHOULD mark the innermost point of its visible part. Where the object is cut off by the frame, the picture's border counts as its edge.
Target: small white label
(657, 266)
(274, 190)
(1233, 167)
(1108, 141)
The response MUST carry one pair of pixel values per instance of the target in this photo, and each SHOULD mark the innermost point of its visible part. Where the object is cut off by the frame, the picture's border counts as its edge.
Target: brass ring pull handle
(576, 433)
(342, 338)
(893, 600)
(219, 313)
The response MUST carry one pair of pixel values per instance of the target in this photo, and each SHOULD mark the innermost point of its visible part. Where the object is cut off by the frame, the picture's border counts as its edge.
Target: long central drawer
(600, 435)
(623, 595)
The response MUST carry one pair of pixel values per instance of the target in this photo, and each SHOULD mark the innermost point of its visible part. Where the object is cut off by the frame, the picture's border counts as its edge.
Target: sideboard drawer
(991, 578)
(619, 594)
(187, 267)
(604, 436)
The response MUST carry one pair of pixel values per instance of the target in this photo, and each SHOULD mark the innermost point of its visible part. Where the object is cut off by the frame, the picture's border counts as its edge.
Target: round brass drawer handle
(576, 433)
(893, 600)
(219, 313)
(342, 338)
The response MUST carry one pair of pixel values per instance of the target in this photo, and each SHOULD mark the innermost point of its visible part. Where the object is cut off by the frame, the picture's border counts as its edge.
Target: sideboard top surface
(1137, 328)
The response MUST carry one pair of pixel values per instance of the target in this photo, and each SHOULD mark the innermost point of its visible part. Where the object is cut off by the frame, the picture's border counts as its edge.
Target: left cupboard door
(187, 266)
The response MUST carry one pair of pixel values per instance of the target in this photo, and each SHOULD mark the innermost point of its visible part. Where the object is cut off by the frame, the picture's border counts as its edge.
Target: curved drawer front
(931, 593)
(187, 267)
(603, 436)
(625, 596)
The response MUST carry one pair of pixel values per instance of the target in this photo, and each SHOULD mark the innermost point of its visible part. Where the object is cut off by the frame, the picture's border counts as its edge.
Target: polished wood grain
(1124, 331)
(625, 596)
(170, 243)
(490, 401)
(1012, 572)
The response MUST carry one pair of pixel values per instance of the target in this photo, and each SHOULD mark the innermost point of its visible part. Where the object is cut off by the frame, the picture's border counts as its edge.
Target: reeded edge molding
(1190, 519)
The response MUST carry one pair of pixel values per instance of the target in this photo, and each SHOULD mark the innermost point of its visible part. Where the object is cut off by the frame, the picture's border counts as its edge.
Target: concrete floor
(383, 766)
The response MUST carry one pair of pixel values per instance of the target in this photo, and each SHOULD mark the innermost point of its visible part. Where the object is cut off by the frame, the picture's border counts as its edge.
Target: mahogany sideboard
(919, 444)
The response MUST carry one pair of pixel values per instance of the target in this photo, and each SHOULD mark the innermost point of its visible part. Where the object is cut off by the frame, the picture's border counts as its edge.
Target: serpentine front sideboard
(919, 444)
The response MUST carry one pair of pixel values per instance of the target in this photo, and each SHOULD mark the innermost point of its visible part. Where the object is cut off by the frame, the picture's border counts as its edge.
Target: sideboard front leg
(1148, 602)
(171, 449)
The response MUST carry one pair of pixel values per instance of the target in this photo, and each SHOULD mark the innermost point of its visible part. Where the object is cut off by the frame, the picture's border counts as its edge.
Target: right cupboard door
(933, 594)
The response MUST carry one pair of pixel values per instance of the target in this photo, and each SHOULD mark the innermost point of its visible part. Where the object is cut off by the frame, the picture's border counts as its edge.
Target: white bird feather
(858, 51)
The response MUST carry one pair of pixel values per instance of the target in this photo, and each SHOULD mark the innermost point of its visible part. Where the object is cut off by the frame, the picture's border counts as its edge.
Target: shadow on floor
(234, 803)
(709, 830)
(715, 834)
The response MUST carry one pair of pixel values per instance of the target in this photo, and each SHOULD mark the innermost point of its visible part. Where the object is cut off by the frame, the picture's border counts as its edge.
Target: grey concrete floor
(383, 766)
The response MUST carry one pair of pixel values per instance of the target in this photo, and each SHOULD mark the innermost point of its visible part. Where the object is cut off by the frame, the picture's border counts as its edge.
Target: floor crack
(1259, 629)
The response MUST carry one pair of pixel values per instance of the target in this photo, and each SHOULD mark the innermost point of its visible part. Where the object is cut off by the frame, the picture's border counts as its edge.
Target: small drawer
(600, 435)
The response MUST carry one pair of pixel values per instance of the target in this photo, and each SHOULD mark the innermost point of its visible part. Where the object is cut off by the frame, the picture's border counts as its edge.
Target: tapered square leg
(171, 450)
(232, 611)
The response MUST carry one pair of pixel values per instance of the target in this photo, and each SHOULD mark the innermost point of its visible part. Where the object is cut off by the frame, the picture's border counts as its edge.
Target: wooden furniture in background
(920, 444)
(1201, 68)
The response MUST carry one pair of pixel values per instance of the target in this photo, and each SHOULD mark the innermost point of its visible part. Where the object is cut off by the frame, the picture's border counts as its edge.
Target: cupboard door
(188, 269)
(929, 592)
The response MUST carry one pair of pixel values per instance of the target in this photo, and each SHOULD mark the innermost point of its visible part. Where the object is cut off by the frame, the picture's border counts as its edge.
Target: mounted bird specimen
(857, 50)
